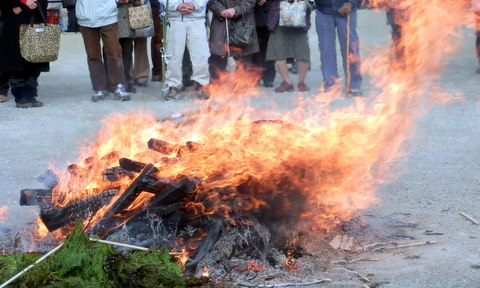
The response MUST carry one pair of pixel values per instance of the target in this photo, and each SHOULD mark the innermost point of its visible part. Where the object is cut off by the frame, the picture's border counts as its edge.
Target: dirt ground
(439, 179)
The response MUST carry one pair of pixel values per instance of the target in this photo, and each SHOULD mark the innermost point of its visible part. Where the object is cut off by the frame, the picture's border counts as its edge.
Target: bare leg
(302, 67)
(283, 70)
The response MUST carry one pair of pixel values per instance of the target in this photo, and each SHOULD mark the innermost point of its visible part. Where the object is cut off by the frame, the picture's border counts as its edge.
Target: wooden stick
(406, 245)
(288, 284)
(31, 266)
(118, 244)
(470, 218)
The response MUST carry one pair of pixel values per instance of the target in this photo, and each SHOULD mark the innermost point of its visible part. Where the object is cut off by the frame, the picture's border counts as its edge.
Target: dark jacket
(218, 33)
(261, 13)
(11, 60)
(331, 6)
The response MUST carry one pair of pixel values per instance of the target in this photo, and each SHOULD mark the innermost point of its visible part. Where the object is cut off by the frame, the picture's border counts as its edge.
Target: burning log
(40, 197)
(55, 218)
(161, 146)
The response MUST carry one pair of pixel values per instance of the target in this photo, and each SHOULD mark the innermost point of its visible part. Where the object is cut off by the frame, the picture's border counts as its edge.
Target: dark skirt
(288, 42)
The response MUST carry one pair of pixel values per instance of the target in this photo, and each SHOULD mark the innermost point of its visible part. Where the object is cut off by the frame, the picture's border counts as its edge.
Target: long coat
(218, 32)
(10, 58)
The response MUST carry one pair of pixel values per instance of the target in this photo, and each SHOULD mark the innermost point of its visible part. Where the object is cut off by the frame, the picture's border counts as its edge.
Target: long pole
(164, 43)
(348, 76)
(31, 266)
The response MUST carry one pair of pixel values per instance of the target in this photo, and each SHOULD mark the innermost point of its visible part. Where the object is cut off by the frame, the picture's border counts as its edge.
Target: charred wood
(131, 165)
(116, 173)
(55, 218)
(49, 179)
(40, 197)
(161, 146)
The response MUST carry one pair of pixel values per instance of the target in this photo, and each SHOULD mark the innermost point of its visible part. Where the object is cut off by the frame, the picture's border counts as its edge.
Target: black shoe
(24, 105)
(36, 103)
(171, 93)
(200, 91)
(131, 89)
(268, 84)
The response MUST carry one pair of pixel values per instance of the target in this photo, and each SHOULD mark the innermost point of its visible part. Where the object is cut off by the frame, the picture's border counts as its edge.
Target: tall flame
(310, 168)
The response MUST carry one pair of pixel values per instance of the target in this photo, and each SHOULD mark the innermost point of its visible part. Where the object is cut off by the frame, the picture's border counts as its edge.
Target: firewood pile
(181, 211)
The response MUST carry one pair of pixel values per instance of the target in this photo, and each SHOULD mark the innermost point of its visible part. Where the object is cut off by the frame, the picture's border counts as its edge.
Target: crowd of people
(197, 46)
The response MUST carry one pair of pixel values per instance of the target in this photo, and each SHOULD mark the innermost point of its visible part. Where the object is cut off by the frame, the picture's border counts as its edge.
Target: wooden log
(131, 165)
(116, 173)
(59, 217)
(161, 146)
(49, 179)
(40, 197)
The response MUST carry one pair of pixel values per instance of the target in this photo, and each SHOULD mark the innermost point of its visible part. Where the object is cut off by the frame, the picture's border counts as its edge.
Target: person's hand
(123, 1)
(261, 2)
(17, 10)
(32, 4)
(345, 9)
(190, 7)
(228, 13)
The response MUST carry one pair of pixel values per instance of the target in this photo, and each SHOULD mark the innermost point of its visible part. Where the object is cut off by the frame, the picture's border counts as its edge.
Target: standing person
(187, 29)
(156, 42)
(288, 43)
(23, 76)
(397, 15)
(99, 25)
(340, 17)
(4, 86)
(72, 26)
(476, 8)
(230, 10)
(261, 15)
(136, 68)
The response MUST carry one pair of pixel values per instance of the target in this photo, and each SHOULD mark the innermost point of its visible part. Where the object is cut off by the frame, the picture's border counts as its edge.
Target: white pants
(193, 35)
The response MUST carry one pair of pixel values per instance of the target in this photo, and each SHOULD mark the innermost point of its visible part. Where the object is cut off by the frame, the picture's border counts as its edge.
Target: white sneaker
(121, 93)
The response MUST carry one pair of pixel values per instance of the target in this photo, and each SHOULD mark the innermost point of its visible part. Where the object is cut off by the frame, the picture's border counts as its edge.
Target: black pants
(24, 85)
(268, 72)
(218, 63)
(72, 25)
(4, 86)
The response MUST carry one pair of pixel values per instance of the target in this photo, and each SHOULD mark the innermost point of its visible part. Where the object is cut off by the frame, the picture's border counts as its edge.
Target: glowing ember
(206, 272)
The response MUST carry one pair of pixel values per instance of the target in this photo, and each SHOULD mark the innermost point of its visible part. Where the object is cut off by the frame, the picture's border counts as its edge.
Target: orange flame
(3, 213)
(206, 272)
(311, 168)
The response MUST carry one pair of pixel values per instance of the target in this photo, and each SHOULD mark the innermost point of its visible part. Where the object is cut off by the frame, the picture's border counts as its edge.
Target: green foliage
(84, 263)
(11, 264)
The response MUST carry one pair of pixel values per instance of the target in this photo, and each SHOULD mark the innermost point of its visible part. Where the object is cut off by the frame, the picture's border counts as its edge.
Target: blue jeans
(327, 26)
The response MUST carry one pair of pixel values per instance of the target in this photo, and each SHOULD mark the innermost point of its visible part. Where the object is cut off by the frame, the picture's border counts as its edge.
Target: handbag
(139, 17)
(293, 14)
(240, 33)
(39, 43)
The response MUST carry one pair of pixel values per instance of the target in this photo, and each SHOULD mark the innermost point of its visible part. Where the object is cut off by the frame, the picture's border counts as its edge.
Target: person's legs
(113, 52)
(98, 75)
(302, 67)
(156, 45)
(325, 26)
(268, 73)
(176, 41)
(24, 89)
(353, 51)
(286, 84)
(4, 86)
(141, 67)
(477, 41)
(127, 59)
(72, 20)
(197, 44)
(216, 64)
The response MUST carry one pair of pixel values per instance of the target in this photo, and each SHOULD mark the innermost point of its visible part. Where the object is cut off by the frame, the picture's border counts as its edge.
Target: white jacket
(174, 15)
(96, 13)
